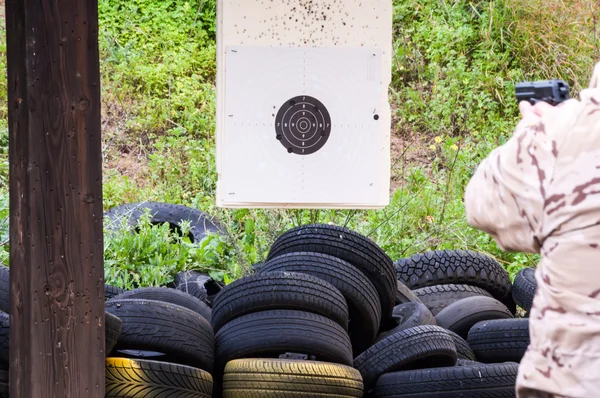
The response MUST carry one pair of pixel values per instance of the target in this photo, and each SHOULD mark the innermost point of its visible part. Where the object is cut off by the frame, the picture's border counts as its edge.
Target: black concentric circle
(303, 125)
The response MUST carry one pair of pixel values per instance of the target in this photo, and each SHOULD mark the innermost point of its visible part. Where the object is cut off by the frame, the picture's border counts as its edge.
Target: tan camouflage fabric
(540, 193)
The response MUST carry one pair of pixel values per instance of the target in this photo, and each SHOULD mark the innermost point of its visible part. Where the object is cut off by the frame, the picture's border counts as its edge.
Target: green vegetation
(455, 66)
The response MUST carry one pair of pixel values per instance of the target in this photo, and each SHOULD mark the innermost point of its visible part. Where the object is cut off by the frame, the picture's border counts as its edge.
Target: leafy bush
(152, 254)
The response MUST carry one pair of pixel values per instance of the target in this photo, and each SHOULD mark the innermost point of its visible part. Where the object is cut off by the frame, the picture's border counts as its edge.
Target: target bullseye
(302, 125)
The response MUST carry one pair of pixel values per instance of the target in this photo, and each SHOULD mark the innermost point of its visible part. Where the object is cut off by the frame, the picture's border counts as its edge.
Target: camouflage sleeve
(504, 196)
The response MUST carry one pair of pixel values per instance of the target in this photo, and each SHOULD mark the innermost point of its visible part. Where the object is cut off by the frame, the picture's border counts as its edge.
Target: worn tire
(408, 315)
(4, 337)
(349, 246)
(272, 333)
(463, 314)
(168, 295)
(112, 330)
(364, 307)
(500, 340)
(475, 381)
(279, 290)
(463, 349)
(128, 378)
(198, 284)
(438, 297)
(421, 346)
(455, 267)
(290, 378)
(405, 295)
(179, 333)
(200, 223)
(4, 289)
(111, 291)
(4, 381)
(524, 288)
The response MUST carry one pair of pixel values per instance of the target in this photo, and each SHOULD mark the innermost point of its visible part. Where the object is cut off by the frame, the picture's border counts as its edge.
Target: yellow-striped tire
(270, 378)
(137, 378)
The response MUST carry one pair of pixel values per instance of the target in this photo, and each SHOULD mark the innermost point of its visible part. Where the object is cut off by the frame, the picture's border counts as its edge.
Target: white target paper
(303, 118)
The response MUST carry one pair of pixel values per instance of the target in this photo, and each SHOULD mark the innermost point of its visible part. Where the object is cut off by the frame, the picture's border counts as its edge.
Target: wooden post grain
(56, 244)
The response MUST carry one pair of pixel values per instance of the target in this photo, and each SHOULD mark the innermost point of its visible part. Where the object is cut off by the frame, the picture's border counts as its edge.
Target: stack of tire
(286, 329)
(166, 346)
(294, 327)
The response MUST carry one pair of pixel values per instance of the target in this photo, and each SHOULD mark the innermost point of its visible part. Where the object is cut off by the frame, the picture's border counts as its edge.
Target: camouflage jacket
(540, 193)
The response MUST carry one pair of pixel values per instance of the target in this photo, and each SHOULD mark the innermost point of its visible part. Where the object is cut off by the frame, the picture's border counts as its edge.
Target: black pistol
(552, 91)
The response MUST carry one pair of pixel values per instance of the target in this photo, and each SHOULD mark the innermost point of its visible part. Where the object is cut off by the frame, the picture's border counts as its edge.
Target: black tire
(279, 290)
(476, 381)
(418, 347)
(4, 336)
(467, 362)
(463, 314)
(438, 297)
(198, 284)
(112, 326)
(500, 340)
(455, 267)
(179, 333)
(405, 295)
(112, 330)
(168, 295)
(4, 381)
(463, 349)
(408, 315)
(269, 334)
(524, 288)
(349, 246)
(127, 378)
(266, 378)
(4, 289)
(364, 307)
(200, 223)
(111, 291)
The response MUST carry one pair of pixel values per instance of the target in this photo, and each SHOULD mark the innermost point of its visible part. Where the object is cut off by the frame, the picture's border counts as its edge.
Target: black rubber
(500, 340)
(364, 307)
(456, 267)
(467, 362)
(176, 331)
(112, 330)
(463, 349)
(198, 284)
(524, 288)
(408, 315)
(437, 297)
(475, 381)
(418, 347)
(405, 295)
(269, 334)
(161, 213)
(463, 314)
(4, 380)
(349, 246)
(111, 291)
(4, 336)
(279, 290)
(168, 295)
(127, 378)
(4, 289)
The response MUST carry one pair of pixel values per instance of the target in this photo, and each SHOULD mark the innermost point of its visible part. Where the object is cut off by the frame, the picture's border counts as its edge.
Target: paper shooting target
(303, 119)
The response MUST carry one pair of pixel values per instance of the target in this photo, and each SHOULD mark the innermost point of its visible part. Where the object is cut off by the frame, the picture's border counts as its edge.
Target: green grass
(455, 67)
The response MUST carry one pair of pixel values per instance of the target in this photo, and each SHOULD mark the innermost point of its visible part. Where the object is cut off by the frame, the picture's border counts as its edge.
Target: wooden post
(56, 244)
